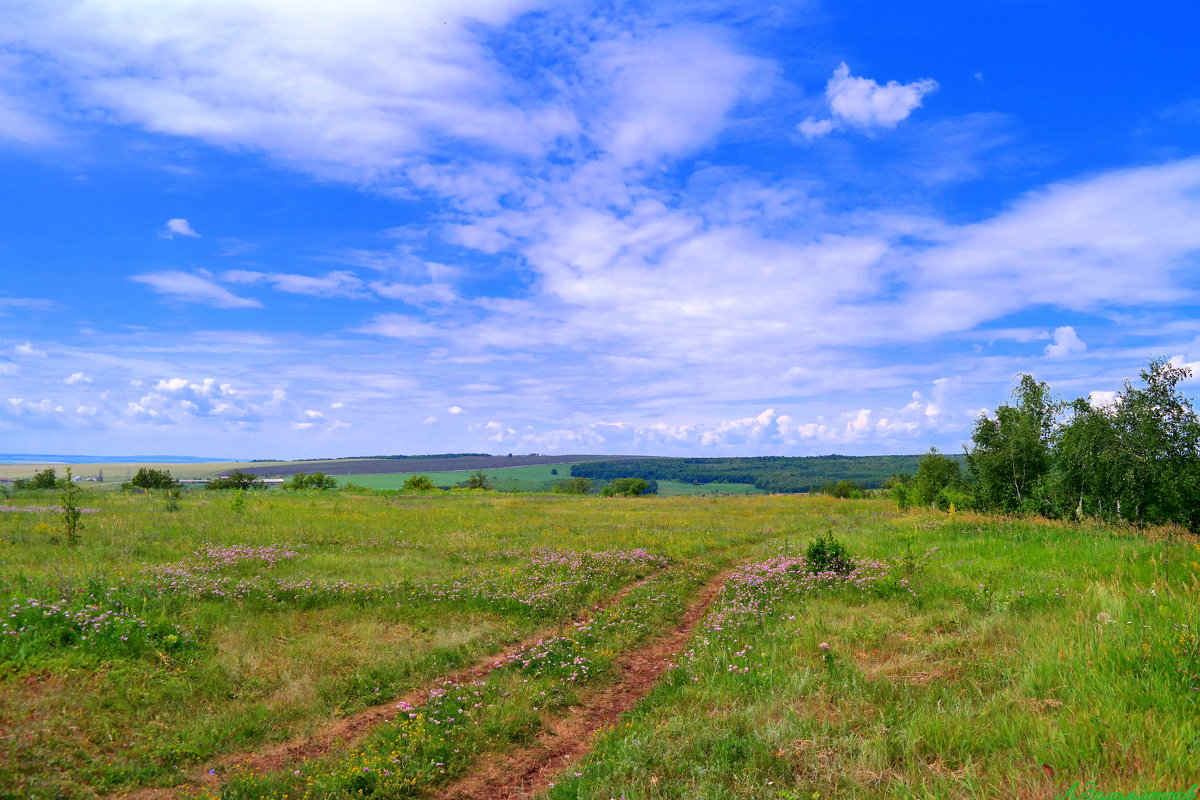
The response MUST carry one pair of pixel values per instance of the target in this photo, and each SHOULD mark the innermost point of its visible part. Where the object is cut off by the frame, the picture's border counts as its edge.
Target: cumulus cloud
(192, 288)
(1066, 343)
(179, 227)
(76, 378)
(864, 104)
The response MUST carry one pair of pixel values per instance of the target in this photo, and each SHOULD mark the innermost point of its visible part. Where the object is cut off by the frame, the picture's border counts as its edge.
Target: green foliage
(71, 515)
(935, 474)
(775, 474)
(147, 478)
(826, 554)
(843, 489)
(43, 479)
(478, 480)
(236, 480)
(626, 487)
(173, 496)
(419, 483)
(1011, 451)
(573, 486)
(238, 505)
(1135, 460)
(318, 481)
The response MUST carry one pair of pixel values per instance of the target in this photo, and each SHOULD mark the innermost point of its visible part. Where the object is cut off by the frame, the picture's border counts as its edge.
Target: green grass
(1032, 654)
(536, 478)
(677, 488)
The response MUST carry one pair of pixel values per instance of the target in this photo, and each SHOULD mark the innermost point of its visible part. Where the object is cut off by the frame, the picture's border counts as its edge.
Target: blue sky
(292, 229)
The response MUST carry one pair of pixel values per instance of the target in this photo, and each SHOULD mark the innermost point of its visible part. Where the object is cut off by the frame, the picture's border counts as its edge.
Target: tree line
(776, 474)
(1135, 459)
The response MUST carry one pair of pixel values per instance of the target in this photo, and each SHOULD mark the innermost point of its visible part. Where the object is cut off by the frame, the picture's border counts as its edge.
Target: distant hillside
(41, 458)
(391, 464)
(769, 473)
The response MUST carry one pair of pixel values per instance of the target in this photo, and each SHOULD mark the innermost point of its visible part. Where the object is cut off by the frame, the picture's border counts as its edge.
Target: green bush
(236, 480)
(573, 486)
(318, 481)
(418, 483)
(827, 554)
(626, 487)
(147, 478)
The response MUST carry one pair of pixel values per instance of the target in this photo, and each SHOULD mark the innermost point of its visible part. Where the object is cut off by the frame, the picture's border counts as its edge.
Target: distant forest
(769, 473)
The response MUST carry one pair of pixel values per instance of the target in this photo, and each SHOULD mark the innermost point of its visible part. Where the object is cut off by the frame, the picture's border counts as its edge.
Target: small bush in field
(827, 554)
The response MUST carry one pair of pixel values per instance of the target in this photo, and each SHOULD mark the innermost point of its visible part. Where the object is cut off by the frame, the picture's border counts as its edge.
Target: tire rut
(347, 730)
(566, 739)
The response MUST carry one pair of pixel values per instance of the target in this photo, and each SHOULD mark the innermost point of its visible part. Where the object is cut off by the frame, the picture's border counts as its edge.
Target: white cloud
(27, 349)
(454, 410)
(1066, 343)
(21, 119)
(398, 326)
(179, 227)
(339, 283)
(75, 378)
(355, 85)
(862, 103)
(192, 288)
(657, 105)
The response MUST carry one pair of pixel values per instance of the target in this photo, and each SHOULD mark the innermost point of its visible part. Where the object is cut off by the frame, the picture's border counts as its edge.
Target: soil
(567, 739)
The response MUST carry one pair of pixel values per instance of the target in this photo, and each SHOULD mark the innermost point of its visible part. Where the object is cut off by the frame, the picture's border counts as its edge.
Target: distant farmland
(386, 466)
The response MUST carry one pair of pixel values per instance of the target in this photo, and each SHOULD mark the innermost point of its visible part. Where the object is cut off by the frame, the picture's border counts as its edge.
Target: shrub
(236, 480)
(626, 487)
(418, 483)
(69, 499)
(477, 481)
(573, 486)
(147, 478)
(827, 554)
(318, 481)
(45, 479)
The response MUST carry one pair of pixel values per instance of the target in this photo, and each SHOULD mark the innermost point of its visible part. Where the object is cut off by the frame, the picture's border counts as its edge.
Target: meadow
(338, 645)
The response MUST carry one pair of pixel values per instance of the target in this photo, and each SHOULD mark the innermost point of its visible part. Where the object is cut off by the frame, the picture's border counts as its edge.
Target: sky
(288, 229)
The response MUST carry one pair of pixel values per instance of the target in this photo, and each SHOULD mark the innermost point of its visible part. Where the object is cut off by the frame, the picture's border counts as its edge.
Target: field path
(345, 731)
(529, 771)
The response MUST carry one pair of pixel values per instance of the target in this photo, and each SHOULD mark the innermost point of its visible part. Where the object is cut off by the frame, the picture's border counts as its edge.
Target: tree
(1159, 448)
(418, 483)
(477, 481)
(1086, 479)
(147, 478)
(626, 487)
(318, 481)
(236, 480)
(935, 474)
(1011, 452)
(573, 486)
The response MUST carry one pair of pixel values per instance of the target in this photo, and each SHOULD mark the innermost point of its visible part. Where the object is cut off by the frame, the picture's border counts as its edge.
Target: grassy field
(116, 472)
(535, 478)
(678, 488)
(963, 657)
(539, 478)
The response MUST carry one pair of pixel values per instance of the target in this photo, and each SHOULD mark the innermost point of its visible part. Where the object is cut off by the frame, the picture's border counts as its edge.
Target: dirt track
(530, 770)
(342, 732)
